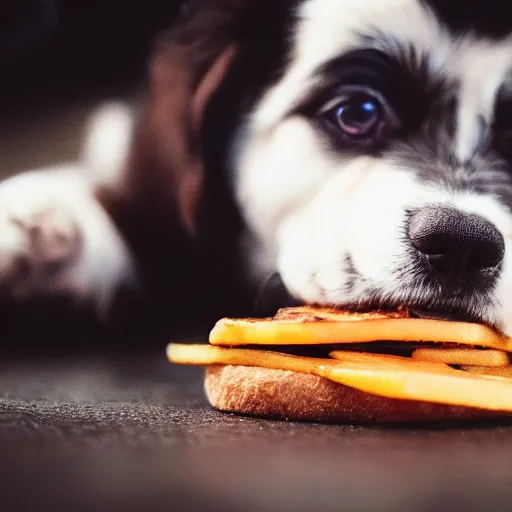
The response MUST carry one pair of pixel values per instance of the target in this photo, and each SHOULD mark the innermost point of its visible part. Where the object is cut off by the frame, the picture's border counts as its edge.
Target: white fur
(307, 208)
(107, 145)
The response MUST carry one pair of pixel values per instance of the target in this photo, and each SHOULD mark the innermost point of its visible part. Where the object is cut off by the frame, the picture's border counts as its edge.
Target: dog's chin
(274, 295)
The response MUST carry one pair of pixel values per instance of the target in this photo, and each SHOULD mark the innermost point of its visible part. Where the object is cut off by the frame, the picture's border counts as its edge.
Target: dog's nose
(455, 243)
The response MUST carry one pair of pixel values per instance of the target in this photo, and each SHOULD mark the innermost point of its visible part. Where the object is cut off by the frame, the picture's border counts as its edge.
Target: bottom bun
(288, 395)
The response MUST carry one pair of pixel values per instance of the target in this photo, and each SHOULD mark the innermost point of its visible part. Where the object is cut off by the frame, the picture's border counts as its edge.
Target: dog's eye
(360, 116)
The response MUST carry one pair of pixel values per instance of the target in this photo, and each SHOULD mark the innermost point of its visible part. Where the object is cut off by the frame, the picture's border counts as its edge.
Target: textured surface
(136, 432)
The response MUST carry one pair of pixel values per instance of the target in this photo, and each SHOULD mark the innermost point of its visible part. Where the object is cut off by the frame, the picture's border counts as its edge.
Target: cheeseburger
(322, 364)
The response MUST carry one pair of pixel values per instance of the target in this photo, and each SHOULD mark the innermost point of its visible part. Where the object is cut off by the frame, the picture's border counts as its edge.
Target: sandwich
(327, 365)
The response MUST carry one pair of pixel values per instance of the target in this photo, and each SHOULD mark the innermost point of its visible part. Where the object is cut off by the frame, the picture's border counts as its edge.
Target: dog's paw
(57, 240)
(39, 244)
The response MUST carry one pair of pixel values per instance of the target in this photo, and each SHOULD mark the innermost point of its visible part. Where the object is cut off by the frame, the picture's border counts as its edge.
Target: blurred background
(59, 59)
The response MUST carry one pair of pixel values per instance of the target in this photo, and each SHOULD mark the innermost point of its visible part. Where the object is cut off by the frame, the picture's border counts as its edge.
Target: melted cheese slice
(354, 329)
(463, 356)
(504, 372)
(389, 376)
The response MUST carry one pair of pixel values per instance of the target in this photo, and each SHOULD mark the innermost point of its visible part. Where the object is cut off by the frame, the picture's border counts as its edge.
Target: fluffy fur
(228, 167)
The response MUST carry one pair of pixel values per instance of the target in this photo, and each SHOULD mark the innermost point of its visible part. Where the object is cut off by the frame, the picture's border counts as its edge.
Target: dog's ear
(189, 65)
(211, 41)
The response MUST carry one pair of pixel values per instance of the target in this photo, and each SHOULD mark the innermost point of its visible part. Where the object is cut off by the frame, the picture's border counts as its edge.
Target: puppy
(359, 150)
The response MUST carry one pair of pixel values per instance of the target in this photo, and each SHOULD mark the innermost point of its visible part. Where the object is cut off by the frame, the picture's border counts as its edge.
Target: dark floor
(136, 433)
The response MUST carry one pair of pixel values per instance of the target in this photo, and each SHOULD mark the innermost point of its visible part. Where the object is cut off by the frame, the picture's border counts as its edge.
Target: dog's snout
(455, 243)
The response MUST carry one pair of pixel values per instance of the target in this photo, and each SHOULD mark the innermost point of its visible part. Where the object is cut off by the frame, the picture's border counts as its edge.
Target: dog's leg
(56, 240)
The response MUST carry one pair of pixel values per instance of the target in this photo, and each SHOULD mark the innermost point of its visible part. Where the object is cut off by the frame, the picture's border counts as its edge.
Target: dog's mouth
(459, 316)
(427, 312)
(445, 311)
(274, 295)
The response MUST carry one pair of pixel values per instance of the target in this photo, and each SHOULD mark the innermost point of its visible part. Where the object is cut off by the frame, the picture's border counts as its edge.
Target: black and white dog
(359, 149)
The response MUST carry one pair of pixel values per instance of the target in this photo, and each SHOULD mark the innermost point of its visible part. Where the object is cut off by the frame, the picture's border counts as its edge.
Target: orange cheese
(463, 356)
(229, 332)
(504, 372)
(390, 376)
